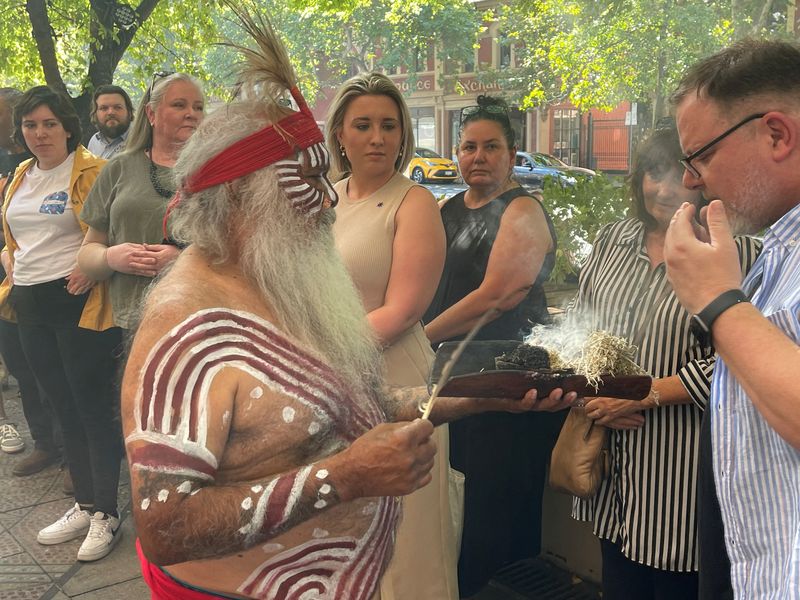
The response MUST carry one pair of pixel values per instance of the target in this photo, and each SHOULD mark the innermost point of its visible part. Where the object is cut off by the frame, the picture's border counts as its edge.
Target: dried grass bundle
(605, 354)
(591, 355)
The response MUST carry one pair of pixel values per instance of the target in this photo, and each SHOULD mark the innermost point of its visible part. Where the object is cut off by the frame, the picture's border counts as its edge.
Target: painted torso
(290, 410)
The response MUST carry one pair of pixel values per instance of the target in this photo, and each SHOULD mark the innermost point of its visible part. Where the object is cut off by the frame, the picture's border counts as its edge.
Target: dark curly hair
(490, 108)
(56, 101)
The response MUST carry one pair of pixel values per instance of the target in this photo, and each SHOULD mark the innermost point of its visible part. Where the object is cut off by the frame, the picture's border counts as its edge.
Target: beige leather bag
(580, 460)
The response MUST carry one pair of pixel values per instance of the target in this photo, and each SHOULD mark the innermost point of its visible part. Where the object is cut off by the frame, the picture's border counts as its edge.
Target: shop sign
(471, 85)
(423, 84)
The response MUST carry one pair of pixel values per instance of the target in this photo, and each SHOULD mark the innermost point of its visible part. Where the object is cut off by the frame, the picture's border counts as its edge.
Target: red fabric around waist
(163, 587)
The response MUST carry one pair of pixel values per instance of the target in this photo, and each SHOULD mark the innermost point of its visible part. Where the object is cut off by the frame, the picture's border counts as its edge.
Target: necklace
(160, 189)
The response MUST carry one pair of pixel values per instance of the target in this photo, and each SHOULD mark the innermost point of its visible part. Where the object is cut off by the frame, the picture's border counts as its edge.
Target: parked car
(427, 165)
(530, 169)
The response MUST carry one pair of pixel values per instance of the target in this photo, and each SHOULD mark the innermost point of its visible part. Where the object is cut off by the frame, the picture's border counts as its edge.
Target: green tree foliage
(597, 54)
(578, 213)
(75, 45)
(339, 39)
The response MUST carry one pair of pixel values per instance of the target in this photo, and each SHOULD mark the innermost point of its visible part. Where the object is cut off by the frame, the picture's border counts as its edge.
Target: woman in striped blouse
(644, 512)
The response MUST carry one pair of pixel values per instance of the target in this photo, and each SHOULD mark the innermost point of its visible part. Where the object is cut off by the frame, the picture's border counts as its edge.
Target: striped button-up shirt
(757, 472)
(647, 504)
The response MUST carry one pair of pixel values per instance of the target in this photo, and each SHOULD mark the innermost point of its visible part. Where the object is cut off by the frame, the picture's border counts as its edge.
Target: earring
(341, 150)
(401, 151)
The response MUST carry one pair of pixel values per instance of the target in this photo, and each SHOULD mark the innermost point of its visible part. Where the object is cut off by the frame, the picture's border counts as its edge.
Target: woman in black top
(500, 250)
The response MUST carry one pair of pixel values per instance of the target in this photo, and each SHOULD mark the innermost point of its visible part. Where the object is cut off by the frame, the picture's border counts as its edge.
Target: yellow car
(427, 165)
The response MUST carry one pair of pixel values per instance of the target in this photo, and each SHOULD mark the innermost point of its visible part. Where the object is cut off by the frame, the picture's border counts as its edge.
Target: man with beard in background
(266, 456)
(112, 113)
(738, 116)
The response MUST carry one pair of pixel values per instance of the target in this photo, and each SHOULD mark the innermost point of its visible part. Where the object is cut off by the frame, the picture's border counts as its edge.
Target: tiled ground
(30, 571)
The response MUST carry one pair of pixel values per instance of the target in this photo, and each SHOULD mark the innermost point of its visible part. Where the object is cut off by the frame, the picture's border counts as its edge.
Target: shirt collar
(785, 231)
(632, 235)
(107, 141)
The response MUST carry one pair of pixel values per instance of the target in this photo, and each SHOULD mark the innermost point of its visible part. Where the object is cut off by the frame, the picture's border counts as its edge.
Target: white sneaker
(103, 534)
(74, 524)
(10, 440)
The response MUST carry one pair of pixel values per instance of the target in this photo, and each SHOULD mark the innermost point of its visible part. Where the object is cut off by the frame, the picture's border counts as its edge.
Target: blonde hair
(375, 84)
(141, 131)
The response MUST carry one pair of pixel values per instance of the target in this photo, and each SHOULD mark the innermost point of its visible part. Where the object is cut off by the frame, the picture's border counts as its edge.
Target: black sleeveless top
(470, 236)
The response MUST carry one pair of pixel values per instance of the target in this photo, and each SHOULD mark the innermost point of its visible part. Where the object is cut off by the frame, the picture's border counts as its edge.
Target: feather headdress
(265, 76)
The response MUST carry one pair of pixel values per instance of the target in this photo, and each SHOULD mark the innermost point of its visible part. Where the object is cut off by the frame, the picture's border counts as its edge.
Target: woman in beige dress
(390, 235)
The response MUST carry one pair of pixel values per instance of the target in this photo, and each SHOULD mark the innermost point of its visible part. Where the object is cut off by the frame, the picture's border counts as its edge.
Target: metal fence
(608, 145)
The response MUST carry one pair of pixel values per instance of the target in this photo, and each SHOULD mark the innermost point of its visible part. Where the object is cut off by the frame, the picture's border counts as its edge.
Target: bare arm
(417, 260)
(92, 255)
(403, 404)
(8, 264)
(100, 261)
(517, 255)
(181, 518)
(608, 411)
(763, 359)
(186, 509)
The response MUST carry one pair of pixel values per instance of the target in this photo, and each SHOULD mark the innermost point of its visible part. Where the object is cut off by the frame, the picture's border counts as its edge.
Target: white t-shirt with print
(43, 223)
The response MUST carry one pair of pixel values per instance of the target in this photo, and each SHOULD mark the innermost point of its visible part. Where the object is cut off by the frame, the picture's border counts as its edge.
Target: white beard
(292, 260)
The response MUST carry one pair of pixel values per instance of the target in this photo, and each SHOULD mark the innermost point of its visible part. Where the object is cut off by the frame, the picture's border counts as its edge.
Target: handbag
(580, 459)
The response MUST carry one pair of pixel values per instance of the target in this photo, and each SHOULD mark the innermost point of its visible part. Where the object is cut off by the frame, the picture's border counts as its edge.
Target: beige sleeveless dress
(425, 558)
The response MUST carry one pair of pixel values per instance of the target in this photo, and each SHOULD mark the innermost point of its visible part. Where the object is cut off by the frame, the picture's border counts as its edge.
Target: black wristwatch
(706, 317)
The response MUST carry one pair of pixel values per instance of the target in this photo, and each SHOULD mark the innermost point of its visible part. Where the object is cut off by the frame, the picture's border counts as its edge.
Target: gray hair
(287, 255)
(205, 218)
(375, 84)
(10, 95)
(141, 131)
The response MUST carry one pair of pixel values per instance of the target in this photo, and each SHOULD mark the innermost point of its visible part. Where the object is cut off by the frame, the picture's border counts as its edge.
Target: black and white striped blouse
(647, 504)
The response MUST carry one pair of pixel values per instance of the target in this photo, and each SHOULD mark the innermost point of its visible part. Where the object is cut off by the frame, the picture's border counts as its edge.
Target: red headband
(264, 147)
(294, 132)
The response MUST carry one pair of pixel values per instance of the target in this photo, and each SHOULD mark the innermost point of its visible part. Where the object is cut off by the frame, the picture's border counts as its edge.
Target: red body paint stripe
(294, 561)
(162, 456)
(362, 419)
(276, 504)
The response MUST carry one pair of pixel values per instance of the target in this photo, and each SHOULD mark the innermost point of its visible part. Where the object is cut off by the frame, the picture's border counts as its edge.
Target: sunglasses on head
(490, 110)
(157, 76)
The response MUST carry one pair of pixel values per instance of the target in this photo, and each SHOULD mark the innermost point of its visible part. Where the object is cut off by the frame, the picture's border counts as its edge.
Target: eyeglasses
(686, 161)
(491, 110)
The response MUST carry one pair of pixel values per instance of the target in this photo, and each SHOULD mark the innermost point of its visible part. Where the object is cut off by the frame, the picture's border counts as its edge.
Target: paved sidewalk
(30, 571)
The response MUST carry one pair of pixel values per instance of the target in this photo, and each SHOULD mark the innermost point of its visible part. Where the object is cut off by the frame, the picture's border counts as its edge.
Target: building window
(505, 52)
(566, 134)
(424, 127)
(469, 66)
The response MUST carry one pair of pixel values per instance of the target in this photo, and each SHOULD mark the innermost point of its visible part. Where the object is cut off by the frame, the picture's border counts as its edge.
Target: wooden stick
(444, 376)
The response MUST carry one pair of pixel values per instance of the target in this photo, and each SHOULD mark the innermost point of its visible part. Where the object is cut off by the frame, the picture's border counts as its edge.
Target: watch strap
(719, 305)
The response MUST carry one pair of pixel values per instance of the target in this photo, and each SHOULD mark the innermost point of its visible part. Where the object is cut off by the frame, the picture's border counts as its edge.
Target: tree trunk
(762, 18)
(659, 102)
(42, 34)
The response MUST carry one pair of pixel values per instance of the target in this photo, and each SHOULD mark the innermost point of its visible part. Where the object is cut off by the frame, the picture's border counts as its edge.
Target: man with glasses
(738, 115)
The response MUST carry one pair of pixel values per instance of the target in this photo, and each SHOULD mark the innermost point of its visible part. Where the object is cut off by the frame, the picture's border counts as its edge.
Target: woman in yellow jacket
(64, 317)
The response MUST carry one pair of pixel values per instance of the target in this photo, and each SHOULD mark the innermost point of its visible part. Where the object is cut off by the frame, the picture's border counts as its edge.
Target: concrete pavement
(31, 571)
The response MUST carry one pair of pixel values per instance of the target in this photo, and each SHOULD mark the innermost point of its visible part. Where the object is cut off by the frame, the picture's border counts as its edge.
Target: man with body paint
(266, 456)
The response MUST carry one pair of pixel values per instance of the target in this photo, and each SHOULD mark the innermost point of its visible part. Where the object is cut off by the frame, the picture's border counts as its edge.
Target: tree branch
(762, 18)
(42, 35)
(108, 51)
